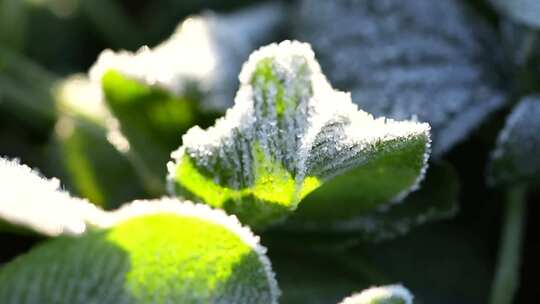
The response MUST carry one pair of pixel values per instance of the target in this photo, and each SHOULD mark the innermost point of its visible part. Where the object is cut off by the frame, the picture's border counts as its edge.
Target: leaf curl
(287, 134)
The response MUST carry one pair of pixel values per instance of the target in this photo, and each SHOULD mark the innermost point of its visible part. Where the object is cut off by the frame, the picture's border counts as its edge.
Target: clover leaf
(288, 133)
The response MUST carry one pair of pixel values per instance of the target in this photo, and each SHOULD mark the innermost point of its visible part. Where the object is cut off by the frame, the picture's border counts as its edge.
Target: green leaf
(158, 94)
(31, 202)
(83, 135)
(203, 56)
(288, 133)
(401, 59)
(391, 294)
(516, 157)
(148, 252)
(340, 210)
(151, 119)
(523, 11)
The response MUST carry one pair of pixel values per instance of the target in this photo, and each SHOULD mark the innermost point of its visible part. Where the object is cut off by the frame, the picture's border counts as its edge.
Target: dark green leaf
(436, 199)
(96, 170)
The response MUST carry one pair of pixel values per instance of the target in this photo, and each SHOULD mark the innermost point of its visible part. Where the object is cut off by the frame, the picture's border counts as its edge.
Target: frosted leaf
(288, 132)
(30, 201)
(329, 210)
(85, 139)
(77, 94)
(516, 157)
(390, 294)
(523, 11)
(205, 53)
(162, 251)
(403, 59)
(158, 94)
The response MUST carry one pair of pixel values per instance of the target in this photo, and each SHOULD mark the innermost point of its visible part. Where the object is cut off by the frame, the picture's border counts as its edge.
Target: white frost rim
(379, 293)
(27, 199)
(168, 205)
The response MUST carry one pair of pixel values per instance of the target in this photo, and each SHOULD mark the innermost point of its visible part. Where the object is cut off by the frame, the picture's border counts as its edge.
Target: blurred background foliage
(44, 41)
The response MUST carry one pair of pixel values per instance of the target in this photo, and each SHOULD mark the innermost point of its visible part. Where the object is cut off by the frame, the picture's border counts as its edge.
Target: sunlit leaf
(400, 59)
(83, 135)
(288, 133)
(32, 202)
(147, 252)
(516, 157)
(157, 94)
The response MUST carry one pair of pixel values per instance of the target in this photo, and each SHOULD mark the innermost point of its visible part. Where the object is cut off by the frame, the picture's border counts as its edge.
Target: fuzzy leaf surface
(96, 170)
(408, 58)
(152, 252)
(287, 134)
(158, 94)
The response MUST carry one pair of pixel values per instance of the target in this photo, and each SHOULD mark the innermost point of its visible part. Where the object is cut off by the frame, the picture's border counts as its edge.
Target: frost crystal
(517, 154)
(391, 294)
(31, 201)
(288, 132)
(405, 59)
(205, 51)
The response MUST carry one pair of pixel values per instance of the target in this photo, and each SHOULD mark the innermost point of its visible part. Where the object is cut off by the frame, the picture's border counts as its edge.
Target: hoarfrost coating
(32, 201)
(206, 50)
(296, 119)
(166, 205)
(411, 58)
(382, 294)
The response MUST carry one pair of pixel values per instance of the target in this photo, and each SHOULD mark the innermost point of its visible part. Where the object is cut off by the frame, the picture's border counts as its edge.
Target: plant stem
(506, 278)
